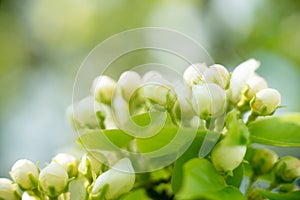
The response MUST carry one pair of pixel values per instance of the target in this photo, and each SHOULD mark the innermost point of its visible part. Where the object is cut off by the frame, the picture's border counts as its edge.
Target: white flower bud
(217, 74)
(265, 102)
(226, 158)
(160, 94)
(151, 76)
(8, 190)
(85, 112)
(25, 174)
(26, 196)
(68, 161)
(208, 100)
(193, 74)
(239, 77)
(89, 164)
(53, 179)
(103, 88)
(129, 81)
(254, 85)
(120, 179)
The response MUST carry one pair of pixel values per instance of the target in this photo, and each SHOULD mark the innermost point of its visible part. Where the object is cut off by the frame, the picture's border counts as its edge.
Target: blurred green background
(43, 43)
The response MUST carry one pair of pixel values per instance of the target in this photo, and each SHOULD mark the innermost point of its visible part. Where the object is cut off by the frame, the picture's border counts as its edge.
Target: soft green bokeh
(42, 44)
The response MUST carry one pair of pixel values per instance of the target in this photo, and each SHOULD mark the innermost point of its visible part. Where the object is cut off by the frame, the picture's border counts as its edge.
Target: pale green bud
(129, 81)
(120, 179)
(263, 161)
(25, 174)
(287, 169)
(103, 88)
(239, 77)
(208, 100)
(53, 179)
(69, 162)
(254, 85)
(8, 190)
(265, 102)
(226, 158)
(217, 74)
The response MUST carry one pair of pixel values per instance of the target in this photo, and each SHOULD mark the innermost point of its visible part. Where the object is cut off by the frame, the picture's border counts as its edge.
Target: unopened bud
(239, 77)
(68, 161)
(254, 85)
(160, 94)
(193, 74)
(208, 100)
(25, 174)
(103, 88)
(120, 179)
(287, 169)
(265, 102)
(53, 179)
(226, 158)
(8, 190)
(85, 113)
(217, 74)
(263, 161)
(129, 81)
(89, 165)
(27, 196)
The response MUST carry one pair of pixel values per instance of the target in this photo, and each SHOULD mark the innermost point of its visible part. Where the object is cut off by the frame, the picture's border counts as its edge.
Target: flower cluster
(208, 99)
(52, 182)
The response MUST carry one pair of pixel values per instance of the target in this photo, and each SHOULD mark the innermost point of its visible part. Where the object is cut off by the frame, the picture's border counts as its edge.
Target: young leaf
(104, 139)
(277, 131)
(200, 178)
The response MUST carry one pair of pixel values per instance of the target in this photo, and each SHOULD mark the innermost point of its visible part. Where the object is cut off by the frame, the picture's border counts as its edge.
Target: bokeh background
(43, 43)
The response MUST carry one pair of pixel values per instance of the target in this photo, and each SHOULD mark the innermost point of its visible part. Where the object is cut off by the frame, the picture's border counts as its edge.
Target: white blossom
(265, 102)
(217, 74)
(193, 74)
(103, 88)
(68, 161)
(129, 81)
(25, 174)
(239, 78)
(120, 179)
(53, 179)
(208, 100)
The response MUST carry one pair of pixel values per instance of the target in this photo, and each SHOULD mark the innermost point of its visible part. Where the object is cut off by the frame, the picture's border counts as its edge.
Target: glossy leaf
(277, 131)
(104, 139)
(192, 152)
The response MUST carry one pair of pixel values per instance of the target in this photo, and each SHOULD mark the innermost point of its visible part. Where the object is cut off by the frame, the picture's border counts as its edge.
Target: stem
(251, 118)
(253, 178)
(273, 184)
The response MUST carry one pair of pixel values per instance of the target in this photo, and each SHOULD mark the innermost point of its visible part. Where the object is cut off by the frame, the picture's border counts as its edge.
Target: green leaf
(237, 177)
(238, 133)
(104, 139)
(199, 178)
(136, 194)
(279, 196)
(228, 193)
(192, 152)
(277, 131)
